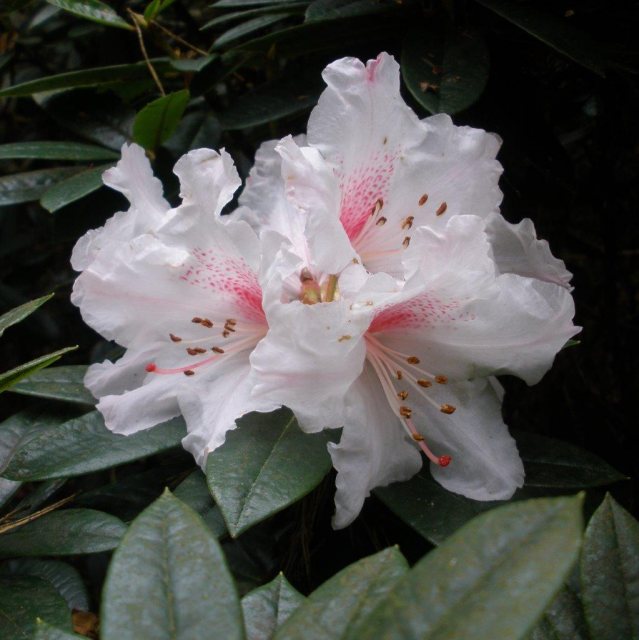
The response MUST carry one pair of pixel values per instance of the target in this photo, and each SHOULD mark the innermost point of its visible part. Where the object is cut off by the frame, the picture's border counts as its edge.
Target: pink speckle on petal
(422, 311)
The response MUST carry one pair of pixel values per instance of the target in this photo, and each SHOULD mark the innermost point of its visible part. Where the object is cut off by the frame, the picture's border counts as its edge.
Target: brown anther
(196, 320)
(405, 412)
(381, 222)
(229, 328)
(193, 351)
(217, 349)
(441, 209)
(412, 360)
(231, 321)
(226, 333)
(418, 437)
(407, 222)
(406, 242)
(206, 323)
(305, 275)
(402, 395)
(441, 379)
(175, 338)
(447, 408)
(385, 140)
(379, 203)
(399, 374)
(423, 200)
(189, 372)
(355, 261)
(344, 338)
(424, 383)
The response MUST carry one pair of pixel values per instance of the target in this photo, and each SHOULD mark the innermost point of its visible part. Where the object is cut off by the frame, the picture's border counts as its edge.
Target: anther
(441, 209)
(175, 338)
(402, 395)
(189, 372)
(344, 338)
(305, 275)
(228, 327)
(231, 321)
(405, 412)
(444, 461)
(399, 374)
(217, 349)
(412, 360)
(406, 242)
(193, 351)
(226, 333)
(418, 437)
(151, 367)
(441, 379)
(407, 222)
(447, 408)
(196, 320)
(424, 383)
(379, 203)
(206, 323)
(423, 200)
(381, 222)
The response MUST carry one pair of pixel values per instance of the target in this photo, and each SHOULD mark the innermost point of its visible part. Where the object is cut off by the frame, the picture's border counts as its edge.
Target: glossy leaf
(45, 631)
(31, 185)
(155, 7)
(11, 377)
(239, 4)
(235, 16)
(268, 607)
(94, 11)
(57, 383)
(64, 578)
(39, 494)
(23, 600)
(551, 30)
(15, 315)
(8, 489)
(237, 33)
(196, 130)
(73, 188)
(194, 493)
(158, 120)
(344, 601)
(610, 573)
(337, 9)
(55, 151)
(84, 444)
(64, 533)
(445, 70)
(563, 619)
(168, 579)
(491, 579)
(266, 464)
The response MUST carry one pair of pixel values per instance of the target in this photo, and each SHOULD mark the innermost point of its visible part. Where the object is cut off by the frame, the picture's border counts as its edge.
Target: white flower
(403, 363)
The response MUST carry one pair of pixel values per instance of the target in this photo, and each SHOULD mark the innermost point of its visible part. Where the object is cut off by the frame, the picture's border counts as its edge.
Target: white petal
(373, 451)
(517, 250)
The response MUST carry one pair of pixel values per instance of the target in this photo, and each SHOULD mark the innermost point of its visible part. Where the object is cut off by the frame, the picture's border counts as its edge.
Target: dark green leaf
(266, 464)
(267, 608)
(39, 494)
(73, 188)
(491, 579)
(57, 383)
(84, 444)
(23, 600)
(445, 70)
(237, 33)
(238, 4)
(610, 573)
(64, 533)
(86, 78)
(168, 579)
(550, 30)
(94, 11)
(13, 316)
(64, 578)
(7, 490)
(234, 16)
(337, 9)
(563, 619)
(55, 151)
(342, 603)
(30, 185)
(196, 130)
(158, 120)
(155, 7)
(45, 631)
(195, 493)
(11, 377)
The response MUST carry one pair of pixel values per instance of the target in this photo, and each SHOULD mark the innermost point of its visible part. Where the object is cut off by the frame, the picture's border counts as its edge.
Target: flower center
(311, 292)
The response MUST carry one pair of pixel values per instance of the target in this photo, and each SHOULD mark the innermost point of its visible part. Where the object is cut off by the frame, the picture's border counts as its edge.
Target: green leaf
(267, 608)
(491, 579)
(94, 11)
(337, 9)
(239, 4)
(342, 603)
(563, 619)
(550, 30)
(64, 533)
(194, 492)
(8, 489)
(73, 188)
(55, 151)
(196, 130)
(97, 76)
(84, 444)
(237, 33)
(266, 464)
(64, 578)
(610, 573)
(57, 383)
(11, 377)
(31, 185)
(158, 120)
(23, 600)
(45, 631)
(15, 315)
(551, 463)
(38, 495)
(290, 8)
(168, 579)
(445, 70)
(155, 7)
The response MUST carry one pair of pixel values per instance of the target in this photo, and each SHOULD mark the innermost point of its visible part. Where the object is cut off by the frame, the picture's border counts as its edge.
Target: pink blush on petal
(420, 312)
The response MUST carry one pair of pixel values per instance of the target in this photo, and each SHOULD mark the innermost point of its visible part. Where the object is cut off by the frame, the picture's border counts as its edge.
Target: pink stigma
(444, 461)
(151, 367)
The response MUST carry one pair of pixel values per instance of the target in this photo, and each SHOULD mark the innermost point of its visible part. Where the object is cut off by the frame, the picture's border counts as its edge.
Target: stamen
(407, 222)
(217, 349)
(226, 333)
(193, 351)
(418, 437)
(175, 338)
(344, 338)
(399, 374)
(231, 321)
(423, 200)
(402, 395)
(412, 360)
(442, 461)
(441, 379)
(379, 203)
(447, 408)
(311, 292)
(441, 209)
(206, 323)
(196, 320)
(381, 222)
(331, 288)
(405, 412)
(229, 328)
(406, 242)
(424, 383)
(189, 372)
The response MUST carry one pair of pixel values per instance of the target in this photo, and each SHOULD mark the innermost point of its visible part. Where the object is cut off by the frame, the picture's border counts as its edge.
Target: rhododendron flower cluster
(367, 281)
